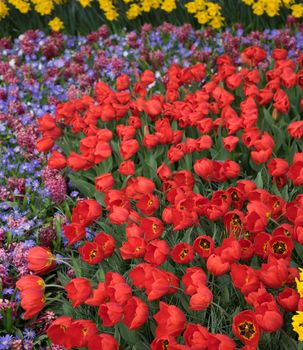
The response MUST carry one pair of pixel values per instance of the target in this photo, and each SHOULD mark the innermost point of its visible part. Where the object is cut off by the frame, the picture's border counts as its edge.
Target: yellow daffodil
(3, 10)
(56, 24)
(297, 324)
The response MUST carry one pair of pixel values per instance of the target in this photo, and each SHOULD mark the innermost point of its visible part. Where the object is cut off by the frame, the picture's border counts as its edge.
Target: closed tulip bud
(56, 160)
(40, 260)
(104, 182)
(135, 313)
(170, 320)
(202, 299)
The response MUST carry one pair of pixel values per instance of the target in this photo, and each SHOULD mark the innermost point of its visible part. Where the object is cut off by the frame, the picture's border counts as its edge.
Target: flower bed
(190, 176)
(195, 192)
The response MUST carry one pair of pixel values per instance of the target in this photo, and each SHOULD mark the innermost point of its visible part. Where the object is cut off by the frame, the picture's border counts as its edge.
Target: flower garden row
(191, 175)
(20, 15)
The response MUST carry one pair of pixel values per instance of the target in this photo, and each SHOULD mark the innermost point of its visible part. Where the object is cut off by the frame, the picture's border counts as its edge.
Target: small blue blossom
(29, 333)
(8, 291)
(6, 342)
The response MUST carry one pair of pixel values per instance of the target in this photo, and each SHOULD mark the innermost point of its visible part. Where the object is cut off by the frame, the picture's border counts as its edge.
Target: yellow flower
(258, 8)
(272, 9)
(20, 5)
(297, 10)
(168, 5)
(111, 15)
(109, 9)
(297, 324)
(213, 9)
(191, 7)
(200, 5)
(133, 12)
(202, 17)
(146, 5)
(155, 4)
(44, 7)
(85, 3)
(3, 10)
(299, 287)
(287, 3)
(56, 24)
(216, 22)
(248, 2)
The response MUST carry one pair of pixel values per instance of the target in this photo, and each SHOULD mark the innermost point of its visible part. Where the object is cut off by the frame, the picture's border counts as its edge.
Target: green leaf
(100, 198)
(83, 186)
(130, 336)
(259, 180)
(76, 266)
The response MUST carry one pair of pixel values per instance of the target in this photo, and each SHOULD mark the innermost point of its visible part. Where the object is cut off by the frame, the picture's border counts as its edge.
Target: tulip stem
(66, 263)
(55, 286)
(180, 289)
(221, 308)
(274, 221)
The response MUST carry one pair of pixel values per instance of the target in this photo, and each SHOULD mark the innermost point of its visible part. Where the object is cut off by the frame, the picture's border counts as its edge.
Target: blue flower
(6, 342)
(29, 333)
(8, 291)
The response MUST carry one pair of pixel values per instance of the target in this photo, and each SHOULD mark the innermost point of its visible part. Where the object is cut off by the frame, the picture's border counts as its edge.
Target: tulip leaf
(130, 336)
(86, 188)
(100, 198)
(287, 342)
(140, 346)
(259, 180)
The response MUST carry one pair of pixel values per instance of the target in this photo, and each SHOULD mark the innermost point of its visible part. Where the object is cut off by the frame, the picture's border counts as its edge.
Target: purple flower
(6, 342)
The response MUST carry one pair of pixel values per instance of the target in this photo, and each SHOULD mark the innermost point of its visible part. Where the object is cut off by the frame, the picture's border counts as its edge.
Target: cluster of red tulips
(195, 176)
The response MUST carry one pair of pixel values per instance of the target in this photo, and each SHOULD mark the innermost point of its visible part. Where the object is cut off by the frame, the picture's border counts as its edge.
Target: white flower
(12, 63)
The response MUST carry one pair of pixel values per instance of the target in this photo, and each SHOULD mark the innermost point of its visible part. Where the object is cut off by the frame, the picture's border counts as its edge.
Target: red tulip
(40, 260)
(127, 168)
(204, 246)
(111, 313)
(58, 331)
(104, 182)
(86, 211)
(135, 313)
(78, 290)
(170, 320)
(156, 252)
(81, 331)
(245, 327)
(74, 232)
(182, 253)
(106, 243)
(91, 253)
(193, 279)
(202, 299)
(44, 144)
(244, 278)
(99, 295)
(56, 160)
(30, 282)
(288, 299)
(216, 265)
(32, 301)
(103, 342)
(196, 336)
